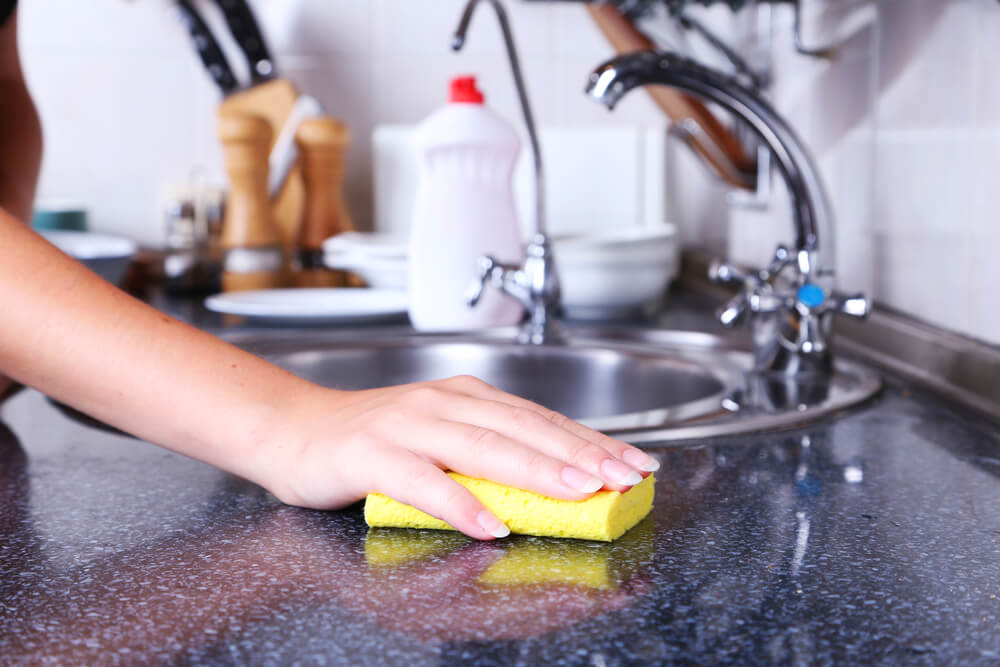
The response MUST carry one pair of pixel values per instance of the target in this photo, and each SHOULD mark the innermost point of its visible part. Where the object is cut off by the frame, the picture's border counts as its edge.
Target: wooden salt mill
(322, 144)
(250, 240)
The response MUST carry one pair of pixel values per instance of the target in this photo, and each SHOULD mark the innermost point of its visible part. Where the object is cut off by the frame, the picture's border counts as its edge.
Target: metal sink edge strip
(868, 385)
(693, 420)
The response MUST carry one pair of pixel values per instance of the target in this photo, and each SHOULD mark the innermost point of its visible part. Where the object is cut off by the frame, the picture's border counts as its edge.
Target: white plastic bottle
(464, 209)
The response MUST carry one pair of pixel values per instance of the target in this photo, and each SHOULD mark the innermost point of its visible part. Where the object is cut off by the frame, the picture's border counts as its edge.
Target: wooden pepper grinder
(322, 144)
(251, 240)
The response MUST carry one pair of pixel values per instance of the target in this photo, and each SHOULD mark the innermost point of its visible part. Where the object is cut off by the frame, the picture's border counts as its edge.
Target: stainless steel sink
(641, 385)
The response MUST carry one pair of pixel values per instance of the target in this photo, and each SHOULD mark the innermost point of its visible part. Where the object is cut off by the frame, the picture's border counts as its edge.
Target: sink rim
(721, 369)
(725, 358)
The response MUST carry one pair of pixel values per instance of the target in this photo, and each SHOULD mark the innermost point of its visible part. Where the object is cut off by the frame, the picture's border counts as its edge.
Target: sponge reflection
(521, 587)
(520, 560)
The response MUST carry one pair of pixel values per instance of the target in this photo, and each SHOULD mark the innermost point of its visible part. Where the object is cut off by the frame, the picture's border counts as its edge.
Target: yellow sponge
(604, 516)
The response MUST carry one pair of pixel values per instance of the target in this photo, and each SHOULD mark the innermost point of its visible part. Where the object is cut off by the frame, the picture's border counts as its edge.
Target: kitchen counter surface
(873, 537)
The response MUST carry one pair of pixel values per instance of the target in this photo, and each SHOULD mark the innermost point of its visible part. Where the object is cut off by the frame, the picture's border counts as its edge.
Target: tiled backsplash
(905, 121)
(128, 108)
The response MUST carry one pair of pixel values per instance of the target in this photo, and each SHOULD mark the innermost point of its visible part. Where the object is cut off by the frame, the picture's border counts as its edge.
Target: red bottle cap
(463, 89)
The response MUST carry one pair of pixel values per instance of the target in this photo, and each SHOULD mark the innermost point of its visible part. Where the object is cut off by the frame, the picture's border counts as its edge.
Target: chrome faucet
(535, 284)
(791, 302)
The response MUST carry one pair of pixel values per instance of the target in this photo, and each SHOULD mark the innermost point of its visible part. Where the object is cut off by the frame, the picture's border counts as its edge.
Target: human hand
(399, 441)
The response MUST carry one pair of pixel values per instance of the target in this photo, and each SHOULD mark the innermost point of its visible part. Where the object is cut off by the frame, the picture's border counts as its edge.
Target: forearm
(82, 341)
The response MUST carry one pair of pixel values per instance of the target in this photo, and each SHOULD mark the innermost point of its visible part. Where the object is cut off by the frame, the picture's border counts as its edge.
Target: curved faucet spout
(811, 209)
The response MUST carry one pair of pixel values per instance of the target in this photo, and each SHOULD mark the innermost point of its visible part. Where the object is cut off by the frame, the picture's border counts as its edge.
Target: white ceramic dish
(377, 272)
(650, 244)
(616, 274)
(368, 244)
(613, 289)
(607, 275)
(380, 259)
(313, 305)
(107, 255)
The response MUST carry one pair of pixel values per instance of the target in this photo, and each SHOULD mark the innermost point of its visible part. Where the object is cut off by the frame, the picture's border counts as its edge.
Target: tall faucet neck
(457, 42)
(810, 205)
(791, 303)
(535, 284)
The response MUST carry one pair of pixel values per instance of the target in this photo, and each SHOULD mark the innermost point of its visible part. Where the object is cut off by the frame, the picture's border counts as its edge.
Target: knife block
(322, 144)
(251, 239)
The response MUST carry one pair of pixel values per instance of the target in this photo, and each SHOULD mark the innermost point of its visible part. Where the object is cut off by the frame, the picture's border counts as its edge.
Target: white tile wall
(905, 121)
(905, 125)
(128, 109)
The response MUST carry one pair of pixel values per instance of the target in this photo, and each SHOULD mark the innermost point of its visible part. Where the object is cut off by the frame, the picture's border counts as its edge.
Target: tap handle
(782, 258)
(813, 297)
(486, 265)
(733, 311)
(724, 272)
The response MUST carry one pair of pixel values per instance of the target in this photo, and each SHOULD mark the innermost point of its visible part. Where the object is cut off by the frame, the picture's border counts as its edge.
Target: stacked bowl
(604, 275)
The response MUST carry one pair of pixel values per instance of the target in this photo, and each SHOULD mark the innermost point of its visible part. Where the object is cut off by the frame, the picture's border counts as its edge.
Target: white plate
(345, 305)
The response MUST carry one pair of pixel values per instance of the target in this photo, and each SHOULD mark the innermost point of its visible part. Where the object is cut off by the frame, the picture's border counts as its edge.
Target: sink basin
(641, 385)
(608, 386)
(645, 386)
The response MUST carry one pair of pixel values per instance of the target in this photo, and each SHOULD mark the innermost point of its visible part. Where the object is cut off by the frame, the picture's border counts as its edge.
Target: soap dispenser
(464, 209)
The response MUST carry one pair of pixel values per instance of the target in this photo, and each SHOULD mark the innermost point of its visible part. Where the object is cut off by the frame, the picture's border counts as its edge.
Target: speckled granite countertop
(871, 538)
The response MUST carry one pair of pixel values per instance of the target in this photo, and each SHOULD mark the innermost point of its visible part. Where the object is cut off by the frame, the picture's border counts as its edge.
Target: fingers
(633, 456)
(410, 480)
(520, 444)
(619, 465)
(477, 451)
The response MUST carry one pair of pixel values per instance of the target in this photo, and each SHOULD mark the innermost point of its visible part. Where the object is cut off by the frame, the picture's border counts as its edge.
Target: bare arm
(81, 340)
(77, 338)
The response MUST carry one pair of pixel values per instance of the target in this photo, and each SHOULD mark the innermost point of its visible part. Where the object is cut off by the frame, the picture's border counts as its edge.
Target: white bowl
(106, 255)
(606, 275)
(380, 259)
(368, 244)
(617, 274)
(379, 272)
(650, 244)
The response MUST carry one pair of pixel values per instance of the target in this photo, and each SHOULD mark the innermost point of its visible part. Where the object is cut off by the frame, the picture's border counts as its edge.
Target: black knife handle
(246, 32)
(208, 49)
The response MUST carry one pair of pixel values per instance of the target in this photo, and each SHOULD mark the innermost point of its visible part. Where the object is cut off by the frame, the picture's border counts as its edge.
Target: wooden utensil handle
(626, 38)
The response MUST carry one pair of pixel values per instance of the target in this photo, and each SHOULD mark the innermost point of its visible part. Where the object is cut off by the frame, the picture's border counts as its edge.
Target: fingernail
(641, 460)
(620, 473)
(492, 525)
(580, 481)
